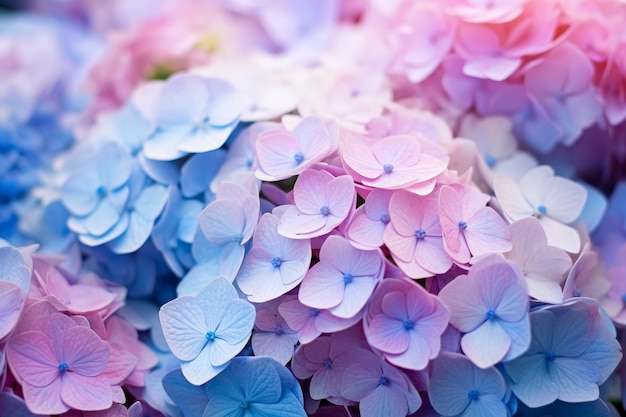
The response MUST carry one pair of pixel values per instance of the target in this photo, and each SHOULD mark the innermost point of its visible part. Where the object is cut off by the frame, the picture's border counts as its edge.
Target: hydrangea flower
(572, 352)
(193, 115)
(405, 323)
(414, 237)
(282, 154)
(393, 162)
(554, 201)
(321, 203)
(379, 388)
(367, 226)
(542, 266)
(458, 388)
(490, 306)
(275, 264)
(343, 280)
(469, 228)
(272, 335)
(207, 330)
(60, 366)
(254, 387)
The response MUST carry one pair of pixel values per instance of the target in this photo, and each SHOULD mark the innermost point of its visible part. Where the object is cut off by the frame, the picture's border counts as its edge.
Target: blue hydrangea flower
(193, 115)
(572, 352)
(110, 199)
(459, 388)
(254, 386)
(207, 330)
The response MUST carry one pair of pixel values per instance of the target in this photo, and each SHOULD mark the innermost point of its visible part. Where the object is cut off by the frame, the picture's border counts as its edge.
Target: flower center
(388, 168)
(243, 404)
(541, 210)
(210, 336)
(490, 315)
(490, 160)
(314, 312)
(278, 330)
(385, 218)
(298, 157)
(462, 225)
(325, 211)
(237, 238)
(101, 191)
(276, 261)
(62, 366)
(383, 380)
(420, 234)
(328, 363)
(347, 278)
(550, 356)
(472, 395)
(408, 324)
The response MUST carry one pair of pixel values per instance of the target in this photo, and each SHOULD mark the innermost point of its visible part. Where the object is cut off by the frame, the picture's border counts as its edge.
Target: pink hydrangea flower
(60, 365)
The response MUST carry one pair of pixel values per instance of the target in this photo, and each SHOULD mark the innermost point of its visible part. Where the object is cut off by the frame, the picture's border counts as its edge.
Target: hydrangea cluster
(330, 208)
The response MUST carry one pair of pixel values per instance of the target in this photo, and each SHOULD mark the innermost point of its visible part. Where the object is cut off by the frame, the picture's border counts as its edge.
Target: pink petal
(364, 231)
(85, 393)
(394, 305)
(360, 159)
(387, 334)
(275, 151)
(31, 357)
(45, 400)
(510, 197)
(309, 191)
(401, 247)
(322, 287)
(297, 225)
(85, 353)
(356, 294)
(340, 195)
(430, 255)
(486, 233)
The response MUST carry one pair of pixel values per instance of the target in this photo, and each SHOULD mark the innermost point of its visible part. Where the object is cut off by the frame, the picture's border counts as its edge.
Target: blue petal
(191, 399)
(199, 170)
(80, 193)
(166, 172)
(594, 208)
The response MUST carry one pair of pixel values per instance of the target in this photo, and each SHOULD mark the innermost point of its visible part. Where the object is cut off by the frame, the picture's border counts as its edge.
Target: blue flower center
(472, 395)
(577, 293)
(298, 157)
(490, 160)
(237, 238)
(243, 404)
(420, 234)
(278, 330)
(347, 278)
(408, 324)
(276, 261)
(490, 315)
(541, 210)
(383, 380)
(527, 113)
(210, 336)
(101, 191)
(623, 298)
(388, 168)
(550, 356)
(62, 366)
(314, 312)
(328, 363)
(462, 225)
(249, 163)
(325, 211)
(385, 218)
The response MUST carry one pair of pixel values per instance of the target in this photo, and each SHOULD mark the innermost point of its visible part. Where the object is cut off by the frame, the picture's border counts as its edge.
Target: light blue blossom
(193, 115)
(207, 330)
(572, 352)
